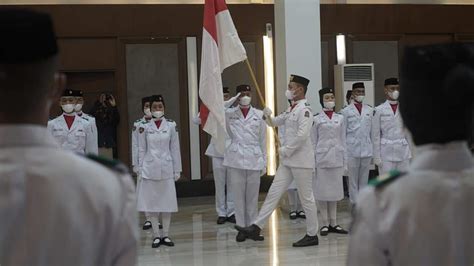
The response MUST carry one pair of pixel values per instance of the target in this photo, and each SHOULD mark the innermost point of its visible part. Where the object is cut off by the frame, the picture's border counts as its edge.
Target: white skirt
(328, 185)
(156, 195)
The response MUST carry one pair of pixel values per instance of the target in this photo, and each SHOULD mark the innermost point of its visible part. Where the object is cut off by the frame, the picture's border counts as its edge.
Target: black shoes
(324, 231)
(231, 219)
(307, 241)
(301, 215)
(338, 230)
(293, 215)
(167, 242)
(221, 220)
(156, 242)
(147, 225)
(251, 232)
(240, 237)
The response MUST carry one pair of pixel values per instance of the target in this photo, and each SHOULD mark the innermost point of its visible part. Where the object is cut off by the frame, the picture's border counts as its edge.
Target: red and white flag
(221, 48)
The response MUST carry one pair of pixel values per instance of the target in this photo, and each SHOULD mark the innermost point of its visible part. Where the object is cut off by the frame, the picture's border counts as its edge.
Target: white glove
(267, 112)
(231, 101)
(177, 176)
(197, 120)
(377, 161)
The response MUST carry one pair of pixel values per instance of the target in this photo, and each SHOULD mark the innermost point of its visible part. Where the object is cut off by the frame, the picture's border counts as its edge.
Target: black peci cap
(299, 79)
(438, 91)
(358, 85)
(391, 81)
(71, 93)
(27, 36)
(243, 88)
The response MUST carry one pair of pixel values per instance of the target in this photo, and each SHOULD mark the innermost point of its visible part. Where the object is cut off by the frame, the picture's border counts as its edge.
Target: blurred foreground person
(425, 216)
(56, 207)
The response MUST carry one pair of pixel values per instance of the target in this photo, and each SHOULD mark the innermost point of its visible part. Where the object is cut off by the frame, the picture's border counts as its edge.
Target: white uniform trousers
(224, 205)
(358, 173)
(304, 181)
(400, 166)
(245, 185)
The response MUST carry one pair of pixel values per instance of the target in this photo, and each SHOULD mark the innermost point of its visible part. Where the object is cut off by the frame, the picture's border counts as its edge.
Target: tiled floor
(200, 241)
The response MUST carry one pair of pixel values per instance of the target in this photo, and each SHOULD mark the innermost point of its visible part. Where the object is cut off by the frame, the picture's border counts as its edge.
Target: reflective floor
(200, 241)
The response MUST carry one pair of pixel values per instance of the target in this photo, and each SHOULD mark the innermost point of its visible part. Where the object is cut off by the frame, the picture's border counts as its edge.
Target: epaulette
(85, 118)
(307, 104)
(170, 120)
(316, 114)
(114, 165)
(370, 105)
(385, 179)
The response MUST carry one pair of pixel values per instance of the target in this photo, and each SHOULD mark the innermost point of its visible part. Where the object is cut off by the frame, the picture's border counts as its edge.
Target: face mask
(68, 108)
(360, 98)
(245, 101)
(78, 107)
(147, 112)
(329, 105)
(158, 114)
(289, 95)
(394, 94)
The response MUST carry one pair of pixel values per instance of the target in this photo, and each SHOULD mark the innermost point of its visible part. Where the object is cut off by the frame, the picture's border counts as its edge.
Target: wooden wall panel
(88, 54)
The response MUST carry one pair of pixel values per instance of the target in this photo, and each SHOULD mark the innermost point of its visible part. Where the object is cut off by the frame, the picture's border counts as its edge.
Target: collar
(392, 102)
(25, 135)
(449, 157)
(299, 103)
(71, 114)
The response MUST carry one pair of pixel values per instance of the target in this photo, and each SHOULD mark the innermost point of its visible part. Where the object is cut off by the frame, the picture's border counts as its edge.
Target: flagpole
(262, 101)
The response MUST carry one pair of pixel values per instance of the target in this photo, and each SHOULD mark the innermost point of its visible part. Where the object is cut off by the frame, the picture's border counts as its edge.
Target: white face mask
(158, 114)
(360, 98)
(289, 94)
(394, 95)
(147, 112)
(78, 107)
(68, 108)
(329, 105)
(245, 101)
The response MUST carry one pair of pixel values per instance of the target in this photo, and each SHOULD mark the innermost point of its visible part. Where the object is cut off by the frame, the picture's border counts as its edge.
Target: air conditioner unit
(348, 74)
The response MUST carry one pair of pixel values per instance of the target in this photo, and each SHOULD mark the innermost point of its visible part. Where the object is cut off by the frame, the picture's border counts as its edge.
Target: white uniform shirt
(297, 147)
(390, 143)
(159, 154)
(247, 149)
(79, 138)
(358, 131)
(58, 208)
(329, 140)
(424, 217)
(137, 127)
(91, 120)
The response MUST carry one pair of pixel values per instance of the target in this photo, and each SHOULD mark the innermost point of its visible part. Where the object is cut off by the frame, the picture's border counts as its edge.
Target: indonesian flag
(221, 48)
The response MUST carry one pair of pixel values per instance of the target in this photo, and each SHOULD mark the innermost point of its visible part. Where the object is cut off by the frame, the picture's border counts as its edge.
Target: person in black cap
(329, 144)
(159, 164)
(223, 194)
(245, 157)
(138, 126)
(425, 216)
(391, 149)
(296, 163)
(71, 131)
(88, 118)
(57, 208)
(358, 119)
